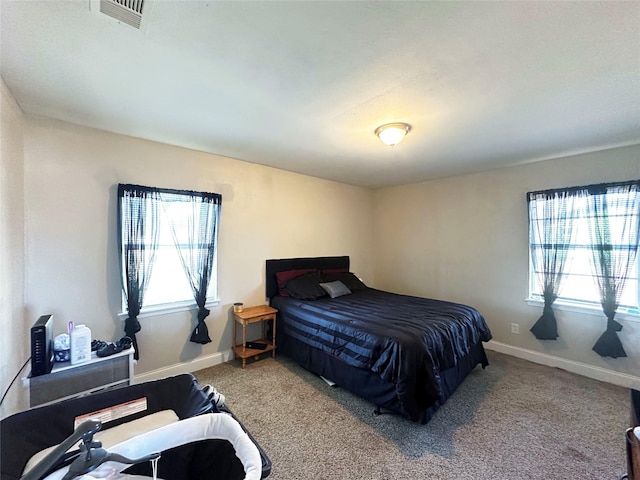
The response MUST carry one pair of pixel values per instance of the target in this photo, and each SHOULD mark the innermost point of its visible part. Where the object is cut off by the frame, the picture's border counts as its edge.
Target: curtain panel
(550, 237)
(194, 228)
(138, 233)
(613, 212)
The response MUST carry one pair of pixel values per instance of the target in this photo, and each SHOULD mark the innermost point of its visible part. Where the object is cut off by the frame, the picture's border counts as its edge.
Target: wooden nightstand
(249, 315)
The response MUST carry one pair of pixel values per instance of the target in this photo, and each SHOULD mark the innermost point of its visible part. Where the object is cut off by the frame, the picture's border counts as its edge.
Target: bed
(404, 354)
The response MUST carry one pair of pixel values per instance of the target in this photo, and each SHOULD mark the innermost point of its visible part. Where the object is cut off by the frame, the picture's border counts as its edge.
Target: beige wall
(71, 175)
(14, 347)
(70, 178)
(465, 239)
(462, 239)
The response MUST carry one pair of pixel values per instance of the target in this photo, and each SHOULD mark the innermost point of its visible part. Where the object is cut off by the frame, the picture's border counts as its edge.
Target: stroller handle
(85, 430)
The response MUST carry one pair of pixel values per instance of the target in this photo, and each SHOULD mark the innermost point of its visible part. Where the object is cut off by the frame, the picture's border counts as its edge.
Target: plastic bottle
(80, 344)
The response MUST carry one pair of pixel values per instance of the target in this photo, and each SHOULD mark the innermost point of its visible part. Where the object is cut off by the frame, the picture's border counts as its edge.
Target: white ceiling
(302, 85)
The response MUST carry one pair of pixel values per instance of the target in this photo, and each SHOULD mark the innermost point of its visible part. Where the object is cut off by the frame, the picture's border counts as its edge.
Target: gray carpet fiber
(513, 420)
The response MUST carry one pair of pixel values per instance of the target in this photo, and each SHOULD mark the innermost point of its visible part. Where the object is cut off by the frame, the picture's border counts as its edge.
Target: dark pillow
(352, 282)
(305, 287)
(336, 289)
(286, 275)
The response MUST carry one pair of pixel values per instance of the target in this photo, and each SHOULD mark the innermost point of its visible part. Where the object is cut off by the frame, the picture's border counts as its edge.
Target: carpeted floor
(514, 420)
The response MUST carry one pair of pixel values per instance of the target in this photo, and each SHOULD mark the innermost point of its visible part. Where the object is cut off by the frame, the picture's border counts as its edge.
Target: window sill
(627, 315)
(169, 308)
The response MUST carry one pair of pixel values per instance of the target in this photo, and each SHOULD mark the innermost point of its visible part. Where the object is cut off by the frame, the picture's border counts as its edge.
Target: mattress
(404, 339)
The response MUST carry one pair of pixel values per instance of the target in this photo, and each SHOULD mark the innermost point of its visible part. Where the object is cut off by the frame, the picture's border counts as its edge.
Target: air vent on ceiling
(125, 11)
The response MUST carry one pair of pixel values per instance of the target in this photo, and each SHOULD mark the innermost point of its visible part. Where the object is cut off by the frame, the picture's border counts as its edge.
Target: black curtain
(613, 209)
(196, 238)
(550, 238)
(138, 226)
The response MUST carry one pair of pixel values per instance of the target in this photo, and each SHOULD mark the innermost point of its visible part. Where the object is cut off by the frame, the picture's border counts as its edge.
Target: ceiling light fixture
(392, 133)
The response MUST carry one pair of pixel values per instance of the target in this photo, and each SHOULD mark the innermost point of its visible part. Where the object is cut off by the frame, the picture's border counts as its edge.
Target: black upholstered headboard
(280, 265)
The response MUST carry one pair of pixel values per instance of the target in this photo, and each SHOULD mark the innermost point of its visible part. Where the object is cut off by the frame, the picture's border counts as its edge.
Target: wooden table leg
(244, 344)
(273, 337)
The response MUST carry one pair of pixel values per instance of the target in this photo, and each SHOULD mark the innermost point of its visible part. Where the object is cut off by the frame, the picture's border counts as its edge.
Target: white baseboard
(584, 369)
(186, 367)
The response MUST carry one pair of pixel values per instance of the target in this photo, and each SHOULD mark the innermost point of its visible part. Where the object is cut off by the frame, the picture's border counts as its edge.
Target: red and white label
(113, 413)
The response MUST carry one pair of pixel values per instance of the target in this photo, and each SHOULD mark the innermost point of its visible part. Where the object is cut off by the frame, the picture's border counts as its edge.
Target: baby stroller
(117, 432)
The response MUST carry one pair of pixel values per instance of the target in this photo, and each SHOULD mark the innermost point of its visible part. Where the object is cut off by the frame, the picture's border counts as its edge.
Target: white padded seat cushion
(118, 434)
(204, 427)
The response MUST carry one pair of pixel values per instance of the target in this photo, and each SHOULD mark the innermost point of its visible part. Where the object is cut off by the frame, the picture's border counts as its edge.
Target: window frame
(189, 304)
(576, 305)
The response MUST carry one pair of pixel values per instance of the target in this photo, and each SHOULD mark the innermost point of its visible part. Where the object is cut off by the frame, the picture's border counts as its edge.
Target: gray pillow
(335, 289)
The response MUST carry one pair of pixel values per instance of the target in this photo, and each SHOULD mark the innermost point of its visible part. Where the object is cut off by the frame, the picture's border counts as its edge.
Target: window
(169, 285)
(571, 213)
(168, 245)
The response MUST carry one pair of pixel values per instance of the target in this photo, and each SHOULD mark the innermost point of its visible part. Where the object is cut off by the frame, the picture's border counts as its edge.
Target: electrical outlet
(515, 328)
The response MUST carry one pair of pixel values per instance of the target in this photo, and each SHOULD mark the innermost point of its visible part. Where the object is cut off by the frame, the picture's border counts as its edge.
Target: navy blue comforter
(406, 340)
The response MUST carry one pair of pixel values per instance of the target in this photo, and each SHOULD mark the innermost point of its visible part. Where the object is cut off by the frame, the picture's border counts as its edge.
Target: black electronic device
(41, 346)
(256, 345)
